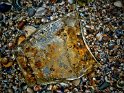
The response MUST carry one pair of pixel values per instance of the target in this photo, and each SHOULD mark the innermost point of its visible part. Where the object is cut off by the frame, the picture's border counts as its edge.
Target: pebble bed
(103, 22)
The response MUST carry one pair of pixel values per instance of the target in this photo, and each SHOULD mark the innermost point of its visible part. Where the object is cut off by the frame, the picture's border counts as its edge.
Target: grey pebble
(10, 90)
(31, 11)
(40, 12)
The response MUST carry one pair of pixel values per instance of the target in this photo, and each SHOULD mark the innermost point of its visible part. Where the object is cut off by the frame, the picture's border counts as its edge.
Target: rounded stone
(37, 88)
(119, 33)
(29, 90)
(118, 4)
(10, 90)
(31, 12)
(40, 12)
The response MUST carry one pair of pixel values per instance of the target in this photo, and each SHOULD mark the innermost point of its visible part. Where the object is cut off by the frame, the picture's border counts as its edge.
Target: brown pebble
(11, 45)
(21, 24)
(53, 1)
(105, 38)
(37, 88)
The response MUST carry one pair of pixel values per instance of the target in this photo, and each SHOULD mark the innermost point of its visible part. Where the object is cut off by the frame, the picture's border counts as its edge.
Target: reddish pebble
(21, 24)
(37, 88)
(53, 1)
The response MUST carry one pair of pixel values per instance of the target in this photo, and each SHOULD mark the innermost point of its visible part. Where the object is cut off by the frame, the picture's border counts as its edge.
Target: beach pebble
(5, 7)
(10, 90)
(1, 17)
(21, 24)
(29, 90)
(31, 11)
(40, 12)
(118, 4)
(99, 36)
(102, 23)
(37, 88)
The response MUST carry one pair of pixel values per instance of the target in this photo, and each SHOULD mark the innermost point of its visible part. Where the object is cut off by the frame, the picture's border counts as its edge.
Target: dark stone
(34, 3)
(84, 88)
(119, 33)
(40, 4)
(4, 7)
(23, 86)
(120, 23)
(62, 89)
(59, 1)
(10, 90)
(104, 85)
(8, 70)
(111, 45)
(1, 17)
(110, 33)
(114, 23)
(17, 4)
(115, 75)
(3, 24)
